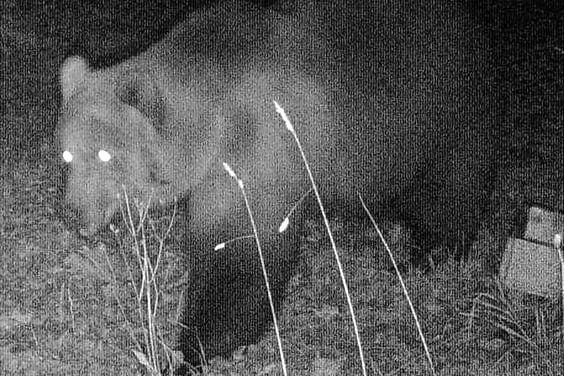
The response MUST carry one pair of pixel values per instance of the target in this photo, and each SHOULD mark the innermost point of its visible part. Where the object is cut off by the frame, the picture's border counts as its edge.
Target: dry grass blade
(290, 128)
(404, 288)
(263, 265)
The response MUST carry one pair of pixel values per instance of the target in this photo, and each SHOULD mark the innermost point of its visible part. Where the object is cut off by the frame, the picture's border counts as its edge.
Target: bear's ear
(144, 95)
(74, 71)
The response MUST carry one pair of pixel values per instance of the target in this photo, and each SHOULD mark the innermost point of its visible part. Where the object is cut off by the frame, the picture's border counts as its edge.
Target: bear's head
(110, 132)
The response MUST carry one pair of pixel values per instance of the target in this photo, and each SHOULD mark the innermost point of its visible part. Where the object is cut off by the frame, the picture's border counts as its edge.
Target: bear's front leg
(226, 302)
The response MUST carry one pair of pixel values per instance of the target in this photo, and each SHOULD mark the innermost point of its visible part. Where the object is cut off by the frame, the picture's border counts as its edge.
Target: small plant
(151, 351)
(514, 326)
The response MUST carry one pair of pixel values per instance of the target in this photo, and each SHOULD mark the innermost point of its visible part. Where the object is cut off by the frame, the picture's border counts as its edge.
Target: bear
(390, 100)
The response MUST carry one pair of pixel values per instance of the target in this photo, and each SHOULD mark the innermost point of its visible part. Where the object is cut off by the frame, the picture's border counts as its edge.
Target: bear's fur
(389, 100)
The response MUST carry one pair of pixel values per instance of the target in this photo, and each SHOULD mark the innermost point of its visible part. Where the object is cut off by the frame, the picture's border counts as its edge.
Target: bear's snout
(87, 214)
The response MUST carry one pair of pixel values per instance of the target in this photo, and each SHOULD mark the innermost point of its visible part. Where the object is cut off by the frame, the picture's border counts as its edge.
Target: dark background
(38, 35)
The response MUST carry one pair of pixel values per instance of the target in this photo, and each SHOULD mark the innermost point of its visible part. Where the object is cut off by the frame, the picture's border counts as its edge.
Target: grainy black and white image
(282, 187)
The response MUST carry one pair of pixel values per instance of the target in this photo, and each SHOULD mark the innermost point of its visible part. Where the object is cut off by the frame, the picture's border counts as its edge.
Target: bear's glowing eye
(104, 156)
(67, 156)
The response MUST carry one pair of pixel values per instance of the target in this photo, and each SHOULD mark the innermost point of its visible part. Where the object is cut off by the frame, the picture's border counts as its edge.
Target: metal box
(532, 264)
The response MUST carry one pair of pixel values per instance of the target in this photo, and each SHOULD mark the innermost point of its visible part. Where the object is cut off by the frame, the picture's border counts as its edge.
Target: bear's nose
(76, 220)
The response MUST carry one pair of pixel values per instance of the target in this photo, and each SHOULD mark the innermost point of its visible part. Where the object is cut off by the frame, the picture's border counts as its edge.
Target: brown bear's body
(388, 101)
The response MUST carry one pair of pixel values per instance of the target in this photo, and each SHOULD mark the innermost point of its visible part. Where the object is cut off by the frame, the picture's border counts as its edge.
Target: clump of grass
(520, 326)
(514, 326)
(150, 348)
